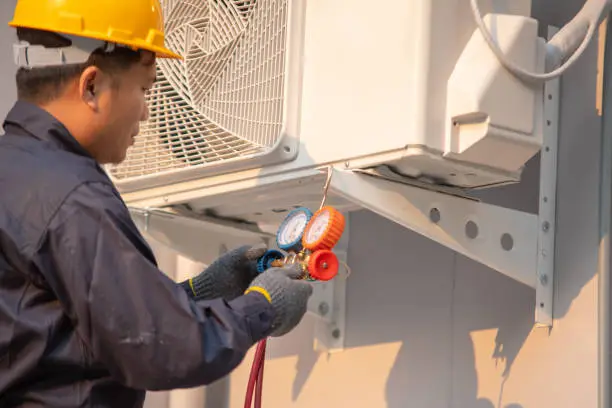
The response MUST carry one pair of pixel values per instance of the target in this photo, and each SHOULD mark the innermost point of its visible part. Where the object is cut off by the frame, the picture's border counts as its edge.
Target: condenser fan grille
(225, 99)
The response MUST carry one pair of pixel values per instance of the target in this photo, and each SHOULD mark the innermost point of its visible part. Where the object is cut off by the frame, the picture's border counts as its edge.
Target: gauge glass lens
(293, 229)
(318, 227)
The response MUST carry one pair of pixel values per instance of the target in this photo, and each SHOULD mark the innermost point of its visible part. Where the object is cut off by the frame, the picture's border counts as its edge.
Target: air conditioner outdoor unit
(280, 86)
(271, 92)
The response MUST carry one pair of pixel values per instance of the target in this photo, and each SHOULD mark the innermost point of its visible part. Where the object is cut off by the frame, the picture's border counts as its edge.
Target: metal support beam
(503, 239)
(517, 244)
(547, 203)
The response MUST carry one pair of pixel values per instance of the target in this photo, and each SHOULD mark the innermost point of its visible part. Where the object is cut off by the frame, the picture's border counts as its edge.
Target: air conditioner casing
(408, 85)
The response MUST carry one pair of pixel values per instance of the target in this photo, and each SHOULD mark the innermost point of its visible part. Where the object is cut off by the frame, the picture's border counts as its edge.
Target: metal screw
(323, 308)
(545, 226)
(543, 279)
(336, 333)
(146, 221)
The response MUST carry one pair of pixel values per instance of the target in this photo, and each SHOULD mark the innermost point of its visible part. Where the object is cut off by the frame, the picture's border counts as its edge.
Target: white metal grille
(225, 100)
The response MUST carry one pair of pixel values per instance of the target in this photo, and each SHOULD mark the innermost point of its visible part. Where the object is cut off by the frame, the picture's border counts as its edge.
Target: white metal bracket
(548, 202)
(328, 304)
(503, 239)
(517, 244)
(197, 238)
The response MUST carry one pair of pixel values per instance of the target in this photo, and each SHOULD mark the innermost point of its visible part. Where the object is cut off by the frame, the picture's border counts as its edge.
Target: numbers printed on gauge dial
(290, 232)
(318, 228)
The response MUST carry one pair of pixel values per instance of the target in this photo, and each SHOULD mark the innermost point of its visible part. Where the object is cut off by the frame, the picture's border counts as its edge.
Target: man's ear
(91, 85)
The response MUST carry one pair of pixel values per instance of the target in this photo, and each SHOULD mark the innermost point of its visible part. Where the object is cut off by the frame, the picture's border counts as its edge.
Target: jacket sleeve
(133, 319)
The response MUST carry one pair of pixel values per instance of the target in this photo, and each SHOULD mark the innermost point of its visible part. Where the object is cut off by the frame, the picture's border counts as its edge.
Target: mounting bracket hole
(471, 229)
(507, 242)
(434, 215)
(279, 210)
(287, 149)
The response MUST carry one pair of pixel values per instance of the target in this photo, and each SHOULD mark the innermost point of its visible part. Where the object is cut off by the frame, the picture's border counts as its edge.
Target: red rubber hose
(252, 381)
(259, 389)
(256, 376)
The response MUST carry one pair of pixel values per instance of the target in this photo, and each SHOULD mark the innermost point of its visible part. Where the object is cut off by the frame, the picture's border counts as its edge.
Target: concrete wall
(428, 328)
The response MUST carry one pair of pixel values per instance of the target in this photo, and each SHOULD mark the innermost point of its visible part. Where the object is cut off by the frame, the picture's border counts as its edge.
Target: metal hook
(326, 187)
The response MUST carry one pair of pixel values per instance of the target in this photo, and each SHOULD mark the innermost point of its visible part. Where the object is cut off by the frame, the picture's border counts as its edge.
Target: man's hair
(44, 84)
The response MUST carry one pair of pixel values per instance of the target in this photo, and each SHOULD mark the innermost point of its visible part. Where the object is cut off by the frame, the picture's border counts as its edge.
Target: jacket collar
(36, 122)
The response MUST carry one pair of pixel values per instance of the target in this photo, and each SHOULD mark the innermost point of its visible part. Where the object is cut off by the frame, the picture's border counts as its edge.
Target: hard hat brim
(160, 52)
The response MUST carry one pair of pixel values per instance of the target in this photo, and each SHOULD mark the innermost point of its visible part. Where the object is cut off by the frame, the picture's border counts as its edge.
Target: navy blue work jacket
(86, 317)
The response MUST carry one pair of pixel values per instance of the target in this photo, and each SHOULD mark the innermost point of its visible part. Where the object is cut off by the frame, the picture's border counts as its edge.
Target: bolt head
(323, 308)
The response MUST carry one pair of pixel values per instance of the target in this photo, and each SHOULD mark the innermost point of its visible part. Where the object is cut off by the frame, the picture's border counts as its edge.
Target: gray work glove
(287, 294)
(228, 276)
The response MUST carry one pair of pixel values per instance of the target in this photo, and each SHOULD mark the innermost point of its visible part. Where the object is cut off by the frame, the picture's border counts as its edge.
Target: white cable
(529, 76)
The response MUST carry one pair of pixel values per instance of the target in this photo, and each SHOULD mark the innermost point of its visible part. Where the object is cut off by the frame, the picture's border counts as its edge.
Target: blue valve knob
(265, 262)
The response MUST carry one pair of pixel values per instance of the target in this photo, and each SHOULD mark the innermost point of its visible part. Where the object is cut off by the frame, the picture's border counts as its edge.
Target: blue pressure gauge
(289, 235)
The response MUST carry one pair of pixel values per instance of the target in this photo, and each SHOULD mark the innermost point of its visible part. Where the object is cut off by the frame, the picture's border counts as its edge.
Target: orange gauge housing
(324, 229)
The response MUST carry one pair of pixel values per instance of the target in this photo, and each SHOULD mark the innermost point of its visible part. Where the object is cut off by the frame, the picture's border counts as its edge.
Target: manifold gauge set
(307, 238)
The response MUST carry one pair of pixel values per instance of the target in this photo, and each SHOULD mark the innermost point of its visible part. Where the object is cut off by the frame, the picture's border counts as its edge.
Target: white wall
(431, 329)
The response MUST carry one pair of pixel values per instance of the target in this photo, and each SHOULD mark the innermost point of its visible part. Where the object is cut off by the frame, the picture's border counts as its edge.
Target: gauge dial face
(293, 228)
(318, 227)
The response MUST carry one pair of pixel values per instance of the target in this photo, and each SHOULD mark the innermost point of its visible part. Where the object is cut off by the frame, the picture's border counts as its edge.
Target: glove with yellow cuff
(287, 294)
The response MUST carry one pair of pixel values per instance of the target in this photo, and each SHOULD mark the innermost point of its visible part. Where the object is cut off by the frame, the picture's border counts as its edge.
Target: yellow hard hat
(137, 24)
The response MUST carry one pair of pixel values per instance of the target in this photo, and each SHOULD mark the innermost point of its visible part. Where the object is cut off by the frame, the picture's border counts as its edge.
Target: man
(86, 318)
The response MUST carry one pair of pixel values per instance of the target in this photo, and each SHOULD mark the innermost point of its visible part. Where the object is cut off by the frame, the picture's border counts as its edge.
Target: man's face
(120, 107)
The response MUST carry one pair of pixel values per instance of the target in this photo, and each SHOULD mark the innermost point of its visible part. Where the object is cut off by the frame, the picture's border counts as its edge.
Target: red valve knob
(323, 265)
